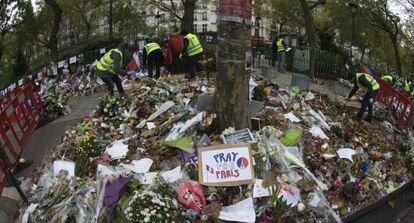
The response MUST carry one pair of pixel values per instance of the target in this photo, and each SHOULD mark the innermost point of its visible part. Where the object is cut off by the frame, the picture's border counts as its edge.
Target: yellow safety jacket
(407, 86)
(388, 78)
(280, 47)
(106, 63)
(150, 47)
(194, 46)
(371, 80)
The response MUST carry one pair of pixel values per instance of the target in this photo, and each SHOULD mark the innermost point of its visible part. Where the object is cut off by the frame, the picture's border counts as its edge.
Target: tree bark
(232, 80)
(110, 20)
(311, 35)
(187, 21)
(308, 23)
(394, 40)
(53, 37)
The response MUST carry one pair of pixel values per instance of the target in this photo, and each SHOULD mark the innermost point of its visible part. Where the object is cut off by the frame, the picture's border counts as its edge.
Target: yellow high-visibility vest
(371, 80)
(194, 45)
(280, 46)
(106, 63)
(150, 47)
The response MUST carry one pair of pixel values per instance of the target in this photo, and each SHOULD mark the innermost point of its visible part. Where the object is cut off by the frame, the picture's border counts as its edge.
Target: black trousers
(195, 65)
(365, 104)
(155, 58)
(109, 79)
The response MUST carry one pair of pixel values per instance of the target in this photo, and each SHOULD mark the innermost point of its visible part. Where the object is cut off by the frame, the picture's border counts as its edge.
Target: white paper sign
(240, 212)
(317, 132)
(139, 166)
(259, 190)
(60, 165)
(346, 153)
(173, 175)
(61, 64)
(226, 165)
(72, 60)
(292, 117)
(102, 50)
(117, 150)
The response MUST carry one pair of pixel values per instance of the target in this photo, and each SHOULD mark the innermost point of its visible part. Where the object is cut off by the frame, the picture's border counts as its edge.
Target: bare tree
(388, 22)
(53, 37)
(183, 12)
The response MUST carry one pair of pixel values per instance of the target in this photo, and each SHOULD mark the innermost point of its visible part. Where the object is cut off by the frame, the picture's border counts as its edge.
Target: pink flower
(106, 158)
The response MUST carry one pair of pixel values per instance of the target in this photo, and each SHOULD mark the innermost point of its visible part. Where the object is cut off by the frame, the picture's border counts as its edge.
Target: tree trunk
(110, 20)
(232, 80)
(187, 21)
(311, 35)
(53, 38)
(394, 40)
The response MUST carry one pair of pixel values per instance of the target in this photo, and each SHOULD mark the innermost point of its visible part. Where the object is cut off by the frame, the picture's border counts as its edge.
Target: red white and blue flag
(210, 169)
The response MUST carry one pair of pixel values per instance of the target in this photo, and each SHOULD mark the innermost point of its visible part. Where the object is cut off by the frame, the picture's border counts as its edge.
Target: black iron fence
(325, 65)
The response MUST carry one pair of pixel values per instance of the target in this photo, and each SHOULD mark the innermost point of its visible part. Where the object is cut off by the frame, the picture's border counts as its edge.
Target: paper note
(314, 199)
(346, 153)
(61, 64)
(172, 175)
(328, 156)
(290, 194)
(317, 132)
(259, 190)
(150, 125)
(118, 150)
(163, 108)
(240, 212)
(106, 171)
(149, 178)
(186, 101)
(60, 165)
(139, 166)
(292, 117)
(72, 60)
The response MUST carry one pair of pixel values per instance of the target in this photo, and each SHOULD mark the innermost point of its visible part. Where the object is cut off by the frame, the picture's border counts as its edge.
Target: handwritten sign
(239, 136)
(225, 165)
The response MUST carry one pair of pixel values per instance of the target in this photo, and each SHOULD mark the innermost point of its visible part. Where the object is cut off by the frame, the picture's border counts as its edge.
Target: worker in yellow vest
(152, 56)
(193, 49)
(371, 87)
(388, 78)
(113, 65)
(281, 54)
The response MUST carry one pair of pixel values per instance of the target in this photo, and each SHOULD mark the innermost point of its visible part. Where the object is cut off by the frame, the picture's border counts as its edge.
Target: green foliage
(130, 23)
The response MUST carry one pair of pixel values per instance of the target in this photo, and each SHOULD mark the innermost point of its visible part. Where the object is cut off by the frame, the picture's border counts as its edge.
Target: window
(204, 27)
(256, 32)
(195, 28)
(205, 16)
(205, 5)
(195, 16)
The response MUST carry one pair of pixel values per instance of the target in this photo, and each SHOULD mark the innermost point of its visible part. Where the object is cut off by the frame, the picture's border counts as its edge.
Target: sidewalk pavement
(40, 144)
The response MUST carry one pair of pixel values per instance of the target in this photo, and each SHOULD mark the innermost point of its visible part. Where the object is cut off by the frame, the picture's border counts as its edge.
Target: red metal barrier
(18, 120)
(397, 103)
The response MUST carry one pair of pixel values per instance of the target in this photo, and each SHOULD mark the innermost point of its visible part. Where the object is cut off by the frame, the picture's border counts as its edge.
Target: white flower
(146, 219)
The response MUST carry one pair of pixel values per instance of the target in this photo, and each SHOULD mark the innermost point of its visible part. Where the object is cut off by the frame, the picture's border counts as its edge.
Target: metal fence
(326, 65)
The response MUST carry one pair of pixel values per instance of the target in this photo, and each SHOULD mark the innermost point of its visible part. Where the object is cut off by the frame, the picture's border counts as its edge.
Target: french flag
(210, 169)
